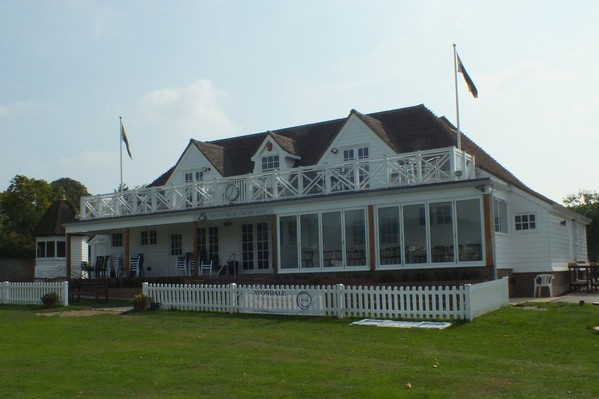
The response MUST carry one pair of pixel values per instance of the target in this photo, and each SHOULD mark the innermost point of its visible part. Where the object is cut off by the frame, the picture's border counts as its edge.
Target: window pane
(176, 244)
(247, 246)
(213, 244)
(50, 249)
(500, 214)
(262, 246)
(41, 249)
(331, 239)
(414, 219)
(441, 228)
(60, 249)
(355, 238)
(389, 244)
(469, 230)
(288, 238)
(310, 240)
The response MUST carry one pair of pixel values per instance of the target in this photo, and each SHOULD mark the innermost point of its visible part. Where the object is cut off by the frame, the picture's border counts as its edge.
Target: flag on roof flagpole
(459, 67)
(123, 138)
(471, 87)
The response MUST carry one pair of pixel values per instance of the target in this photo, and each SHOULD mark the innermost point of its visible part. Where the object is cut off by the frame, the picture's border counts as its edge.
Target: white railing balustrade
(31, 293)
(446, 164)
(420, 303)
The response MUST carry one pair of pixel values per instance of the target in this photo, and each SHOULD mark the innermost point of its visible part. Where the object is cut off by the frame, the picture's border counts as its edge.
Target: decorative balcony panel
(446, 164)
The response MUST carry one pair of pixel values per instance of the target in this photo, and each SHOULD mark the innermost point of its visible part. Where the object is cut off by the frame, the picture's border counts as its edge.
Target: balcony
(439, 165)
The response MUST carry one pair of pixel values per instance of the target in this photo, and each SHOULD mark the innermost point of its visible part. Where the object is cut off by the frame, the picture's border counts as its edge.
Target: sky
(177, 70)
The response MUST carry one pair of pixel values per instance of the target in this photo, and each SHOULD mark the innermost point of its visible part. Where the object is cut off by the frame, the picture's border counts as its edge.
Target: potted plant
(140, 302)
(50, 299)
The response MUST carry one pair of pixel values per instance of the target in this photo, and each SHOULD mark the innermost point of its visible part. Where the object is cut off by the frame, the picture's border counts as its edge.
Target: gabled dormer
(199, 162)
(360, 137)
(275, 153)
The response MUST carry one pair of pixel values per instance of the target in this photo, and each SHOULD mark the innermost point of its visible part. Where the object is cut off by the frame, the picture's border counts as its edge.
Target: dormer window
(194, 176)
(270, 163)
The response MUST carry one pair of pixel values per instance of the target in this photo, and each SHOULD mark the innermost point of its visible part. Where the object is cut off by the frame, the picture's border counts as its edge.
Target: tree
(72, 190)
(587, 203)
(21, 207)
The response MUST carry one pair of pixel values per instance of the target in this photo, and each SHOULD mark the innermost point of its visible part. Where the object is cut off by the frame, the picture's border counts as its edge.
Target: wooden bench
(97, 288)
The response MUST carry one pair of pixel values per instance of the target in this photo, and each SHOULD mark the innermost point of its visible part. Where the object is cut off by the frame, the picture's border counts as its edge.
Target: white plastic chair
(543, 280)
(206, 267)
(182, 264)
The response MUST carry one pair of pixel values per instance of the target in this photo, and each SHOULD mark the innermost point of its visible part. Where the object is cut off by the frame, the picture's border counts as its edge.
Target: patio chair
(86, 270)
(135, 265)
(206, 266)
(543, 280)
(182, 264)
(100, 267)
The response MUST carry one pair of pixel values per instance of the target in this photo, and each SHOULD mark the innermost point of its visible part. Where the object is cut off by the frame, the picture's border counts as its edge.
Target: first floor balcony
(422, 167)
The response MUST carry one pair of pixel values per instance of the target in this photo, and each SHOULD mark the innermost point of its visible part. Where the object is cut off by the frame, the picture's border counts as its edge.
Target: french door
(255, 246)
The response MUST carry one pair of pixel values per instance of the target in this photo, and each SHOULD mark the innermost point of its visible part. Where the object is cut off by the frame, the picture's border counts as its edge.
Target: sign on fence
(280, 300)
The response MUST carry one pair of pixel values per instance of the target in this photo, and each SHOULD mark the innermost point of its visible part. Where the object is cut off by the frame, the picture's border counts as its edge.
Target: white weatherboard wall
(529, 250)
(191, 161)
(356, 134)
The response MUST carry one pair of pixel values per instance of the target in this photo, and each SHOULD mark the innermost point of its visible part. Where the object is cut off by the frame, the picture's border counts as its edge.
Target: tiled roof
(404, 130)
(60, 212)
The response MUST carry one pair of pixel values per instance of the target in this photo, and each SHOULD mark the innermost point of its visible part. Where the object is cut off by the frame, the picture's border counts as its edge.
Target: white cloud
(194, 110)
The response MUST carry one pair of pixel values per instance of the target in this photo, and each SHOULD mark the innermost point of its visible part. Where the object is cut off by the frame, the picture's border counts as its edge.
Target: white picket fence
(424, 303)
(31, 293)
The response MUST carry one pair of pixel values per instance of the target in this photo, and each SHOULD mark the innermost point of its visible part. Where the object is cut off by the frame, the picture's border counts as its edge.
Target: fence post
(468, 311)
(144, 288)
(65, 293)
(4, 292)
(340, 300)
(232, 297)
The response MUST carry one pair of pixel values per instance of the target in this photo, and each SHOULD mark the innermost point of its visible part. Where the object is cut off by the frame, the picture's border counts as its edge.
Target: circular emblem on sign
(304, 300)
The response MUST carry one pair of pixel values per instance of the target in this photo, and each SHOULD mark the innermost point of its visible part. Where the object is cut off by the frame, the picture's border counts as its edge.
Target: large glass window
(500, 215)
(389, 238)
(332, 239)
(469, 230)
(288, 239)
(441, 230)
(355, 237)
(414, 219)
(310, 240)
(51, 249)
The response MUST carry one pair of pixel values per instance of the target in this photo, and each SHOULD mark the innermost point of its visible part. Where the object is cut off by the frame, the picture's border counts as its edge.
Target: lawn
(547, 352)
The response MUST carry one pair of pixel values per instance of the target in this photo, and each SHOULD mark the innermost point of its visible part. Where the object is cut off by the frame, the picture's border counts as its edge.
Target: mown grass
(512, 353)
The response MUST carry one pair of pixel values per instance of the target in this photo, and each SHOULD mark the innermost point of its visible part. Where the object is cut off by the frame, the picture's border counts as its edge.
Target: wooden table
(583, 276)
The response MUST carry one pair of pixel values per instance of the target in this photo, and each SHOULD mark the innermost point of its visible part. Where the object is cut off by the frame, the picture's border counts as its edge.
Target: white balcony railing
(446, 164)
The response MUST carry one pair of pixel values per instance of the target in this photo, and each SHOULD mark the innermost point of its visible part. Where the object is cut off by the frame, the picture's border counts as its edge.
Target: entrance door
(255, 246)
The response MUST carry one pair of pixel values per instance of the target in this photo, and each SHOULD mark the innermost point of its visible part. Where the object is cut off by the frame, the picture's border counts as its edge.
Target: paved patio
(572, 297)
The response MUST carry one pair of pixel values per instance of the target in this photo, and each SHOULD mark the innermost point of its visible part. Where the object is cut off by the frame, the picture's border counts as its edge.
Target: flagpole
(457, 103)
(121, 150)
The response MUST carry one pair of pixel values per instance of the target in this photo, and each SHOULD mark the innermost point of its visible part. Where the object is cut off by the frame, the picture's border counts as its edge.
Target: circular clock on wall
(232, 192)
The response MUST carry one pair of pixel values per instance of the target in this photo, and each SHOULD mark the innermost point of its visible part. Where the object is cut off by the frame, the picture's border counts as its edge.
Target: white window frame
(270, 162)
(527, 223)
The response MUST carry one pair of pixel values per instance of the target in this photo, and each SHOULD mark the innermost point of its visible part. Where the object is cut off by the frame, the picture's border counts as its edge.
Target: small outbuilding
(51, 243)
